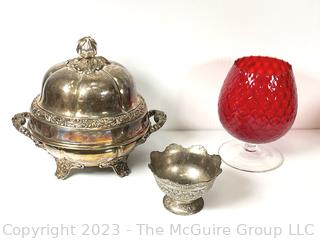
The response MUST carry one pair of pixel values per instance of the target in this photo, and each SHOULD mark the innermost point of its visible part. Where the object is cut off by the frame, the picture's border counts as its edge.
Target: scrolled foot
(119, 165)
(64, 167)
(121, 168)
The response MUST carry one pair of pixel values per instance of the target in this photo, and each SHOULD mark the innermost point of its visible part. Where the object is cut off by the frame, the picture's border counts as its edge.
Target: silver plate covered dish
(88, 113)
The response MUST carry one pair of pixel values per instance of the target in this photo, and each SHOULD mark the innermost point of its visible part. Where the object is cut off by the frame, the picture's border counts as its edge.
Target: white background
(179, 53)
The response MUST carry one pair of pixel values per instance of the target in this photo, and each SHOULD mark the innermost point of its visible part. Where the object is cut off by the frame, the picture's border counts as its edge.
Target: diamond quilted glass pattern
(258, 100)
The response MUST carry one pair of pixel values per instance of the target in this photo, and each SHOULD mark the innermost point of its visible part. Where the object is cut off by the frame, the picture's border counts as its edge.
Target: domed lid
(88, 86)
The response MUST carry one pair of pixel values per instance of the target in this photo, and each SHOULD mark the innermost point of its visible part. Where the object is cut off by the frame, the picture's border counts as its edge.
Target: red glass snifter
(257, 104)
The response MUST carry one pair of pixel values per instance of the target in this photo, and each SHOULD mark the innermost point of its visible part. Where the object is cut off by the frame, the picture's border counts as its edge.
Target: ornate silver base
(64, 167)
(119, 166)
(183, 208)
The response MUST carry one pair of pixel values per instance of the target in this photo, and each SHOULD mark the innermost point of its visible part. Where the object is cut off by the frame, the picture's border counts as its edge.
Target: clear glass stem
(250, 147)
(250, 157)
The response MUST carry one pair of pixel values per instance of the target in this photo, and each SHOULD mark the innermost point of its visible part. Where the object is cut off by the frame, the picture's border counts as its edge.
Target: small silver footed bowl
(184, 175)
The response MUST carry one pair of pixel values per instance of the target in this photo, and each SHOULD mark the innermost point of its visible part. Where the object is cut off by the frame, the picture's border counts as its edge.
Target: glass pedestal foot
(250, 157)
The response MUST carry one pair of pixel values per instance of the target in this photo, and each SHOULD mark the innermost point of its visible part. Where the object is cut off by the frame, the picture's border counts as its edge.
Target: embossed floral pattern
(107, 122)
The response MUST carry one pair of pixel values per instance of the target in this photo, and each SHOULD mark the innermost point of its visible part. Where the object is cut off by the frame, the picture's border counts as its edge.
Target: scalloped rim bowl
(184, 175)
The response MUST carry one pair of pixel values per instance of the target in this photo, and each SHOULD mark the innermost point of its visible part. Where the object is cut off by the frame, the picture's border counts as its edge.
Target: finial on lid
(87, 47)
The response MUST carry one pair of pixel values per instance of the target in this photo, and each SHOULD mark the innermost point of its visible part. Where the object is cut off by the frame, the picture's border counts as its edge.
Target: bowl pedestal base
(183, 208)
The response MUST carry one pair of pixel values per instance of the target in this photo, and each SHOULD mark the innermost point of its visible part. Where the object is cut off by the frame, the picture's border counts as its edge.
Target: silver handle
(160, 118)
(18, 121)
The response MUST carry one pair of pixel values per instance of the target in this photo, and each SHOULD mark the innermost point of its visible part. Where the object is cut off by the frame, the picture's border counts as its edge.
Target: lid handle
(87, 47)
